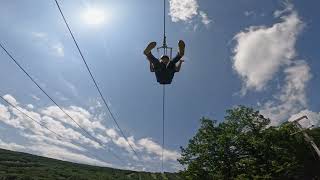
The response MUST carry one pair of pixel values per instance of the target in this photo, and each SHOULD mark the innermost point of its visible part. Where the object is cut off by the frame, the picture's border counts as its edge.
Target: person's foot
(181, 46)
(149, 48)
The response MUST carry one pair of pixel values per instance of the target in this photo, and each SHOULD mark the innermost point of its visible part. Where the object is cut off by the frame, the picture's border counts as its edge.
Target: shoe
(149, 48)
(181, 46)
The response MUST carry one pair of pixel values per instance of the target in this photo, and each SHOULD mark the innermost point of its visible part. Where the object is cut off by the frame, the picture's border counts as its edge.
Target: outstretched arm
(178, 67)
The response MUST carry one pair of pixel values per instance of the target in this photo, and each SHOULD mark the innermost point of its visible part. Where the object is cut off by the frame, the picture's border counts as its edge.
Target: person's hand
(181, 60)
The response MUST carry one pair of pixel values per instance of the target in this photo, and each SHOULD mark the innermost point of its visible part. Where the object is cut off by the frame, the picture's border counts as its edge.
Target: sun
(94, 16)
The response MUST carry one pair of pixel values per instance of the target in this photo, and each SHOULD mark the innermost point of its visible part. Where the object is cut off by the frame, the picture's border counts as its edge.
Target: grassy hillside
(16, 165)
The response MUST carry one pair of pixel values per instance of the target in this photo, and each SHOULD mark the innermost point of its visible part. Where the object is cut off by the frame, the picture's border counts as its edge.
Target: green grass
(23, 166)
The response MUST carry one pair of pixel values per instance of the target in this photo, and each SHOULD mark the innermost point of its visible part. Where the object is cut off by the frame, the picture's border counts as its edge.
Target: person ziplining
(165, 68)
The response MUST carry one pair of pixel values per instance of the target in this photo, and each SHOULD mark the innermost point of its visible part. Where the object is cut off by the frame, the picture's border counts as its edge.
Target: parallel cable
(94, 81)
(164, 45)
(163, 121)
(32, 119)
(82, 128)
(59, 137)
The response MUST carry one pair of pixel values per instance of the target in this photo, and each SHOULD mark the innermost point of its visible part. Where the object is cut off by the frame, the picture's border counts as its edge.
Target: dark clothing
(164, 73)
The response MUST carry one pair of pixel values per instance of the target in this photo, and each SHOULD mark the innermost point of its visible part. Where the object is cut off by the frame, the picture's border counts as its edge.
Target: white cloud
(53, 151)
(53, 141)
(121, 142)
(288, 9)
(11, 146)
(7, 118)
(112, 133)
(59, 49)
(153, 147)
(254, 14)
(35, 97)
(10, 99)
(186, 10)
(72, 87)
(249, 13)
(292, 97)
(30, 106)
(183, 10)
(143, 144)
(56, 152)
(69, 133)
(261, 51)
(39, 140)
(17, 120)
(44, 142)
(39, 34)
(4, 113)
(54, 47)
(205, 19)
(80, 115)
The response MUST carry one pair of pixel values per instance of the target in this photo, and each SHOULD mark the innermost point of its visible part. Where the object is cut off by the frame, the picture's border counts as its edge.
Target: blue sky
(261, 54)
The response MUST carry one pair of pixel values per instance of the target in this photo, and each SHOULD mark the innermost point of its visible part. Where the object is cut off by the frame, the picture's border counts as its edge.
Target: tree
(244, 147)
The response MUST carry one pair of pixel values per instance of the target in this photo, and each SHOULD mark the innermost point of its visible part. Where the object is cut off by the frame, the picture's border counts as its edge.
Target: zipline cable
(163, 118)
(32, 119)
(94, 81)
(164, 87)
(164, 24)
(35, 82)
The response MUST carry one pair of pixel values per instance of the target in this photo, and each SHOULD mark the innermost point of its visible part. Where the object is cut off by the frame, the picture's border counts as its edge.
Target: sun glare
(94, 16)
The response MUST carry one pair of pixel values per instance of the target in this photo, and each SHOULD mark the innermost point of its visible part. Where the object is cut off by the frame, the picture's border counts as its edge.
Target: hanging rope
(164, 24)
(163, 118)
(165, 51)
(164, 46)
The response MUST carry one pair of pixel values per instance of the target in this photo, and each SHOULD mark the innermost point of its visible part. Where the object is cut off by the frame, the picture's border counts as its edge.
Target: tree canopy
(243, 146)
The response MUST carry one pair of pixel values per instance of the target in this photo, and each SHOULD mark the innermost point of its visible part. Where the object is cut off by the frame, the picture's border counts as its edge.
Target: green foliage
(244, 147)
(22, 166)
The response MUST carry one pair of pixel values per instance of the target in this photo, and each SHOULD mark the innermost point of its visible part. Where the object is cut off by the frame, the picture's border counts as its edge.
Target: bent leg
(180, 54)
(153, 60)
